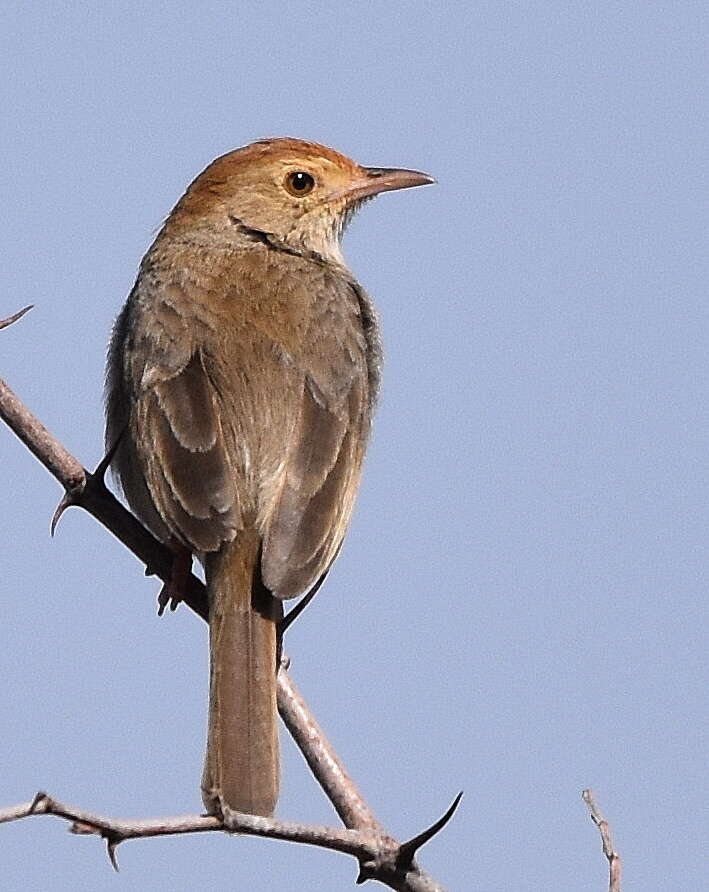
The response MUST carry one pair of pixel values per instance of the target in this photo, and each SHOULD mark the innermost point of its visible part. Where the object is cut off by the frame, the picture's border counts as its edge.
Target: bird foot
(173, 591)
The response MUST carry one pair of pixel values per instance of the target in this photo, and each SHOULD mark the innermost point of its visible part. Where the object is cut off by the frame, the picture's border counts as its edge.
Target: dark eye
(299, 183)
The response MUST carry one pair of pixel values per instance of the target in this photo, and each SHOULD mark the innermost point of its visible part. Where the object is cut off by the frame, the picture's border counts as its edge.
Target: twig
(382, 859)
(614, 863)
(379, 856)
(322, 758)
(116, 831)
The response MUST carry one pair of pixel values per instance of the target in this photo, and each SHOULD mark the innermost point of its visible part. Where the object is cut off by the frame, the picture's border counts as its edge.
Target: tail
(241, 769)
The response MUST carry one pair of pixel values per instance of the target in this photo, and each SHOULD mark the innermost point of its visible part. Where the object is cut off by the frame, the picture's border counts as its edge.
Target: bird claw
(167, 598)
(173, 590)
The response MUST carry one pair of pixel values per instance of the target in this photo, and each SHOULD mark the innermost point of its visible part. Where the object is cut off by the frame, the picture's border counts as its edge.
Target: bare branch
(39, 441)
(377, 853)
(614, 863)
(322, 758)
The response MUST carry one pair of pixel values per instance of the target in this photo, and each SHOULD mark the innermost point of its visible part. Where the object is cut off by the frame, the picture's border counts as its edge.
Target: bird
(242, 376)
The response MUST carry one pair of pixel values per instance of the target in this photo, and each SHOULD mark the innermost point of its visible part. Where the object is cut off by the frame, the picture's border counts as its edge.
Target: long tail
(241, 769)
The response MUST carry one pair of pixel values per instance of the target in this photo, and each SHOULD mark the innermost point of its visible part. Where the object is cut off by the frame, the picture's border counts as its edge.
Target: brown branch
(89, 491)
(363, 846)
(614, 863)
(322, 758)
(379, 855)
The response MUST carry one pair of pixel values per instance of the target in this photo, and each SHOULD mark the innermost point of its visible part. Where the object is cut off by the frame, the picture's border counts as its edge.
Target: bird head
(299, 193)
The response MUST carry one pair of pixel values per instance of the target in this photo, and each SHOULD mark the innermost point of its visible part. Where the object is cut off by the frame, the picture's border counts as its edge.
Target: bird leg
(173, 590)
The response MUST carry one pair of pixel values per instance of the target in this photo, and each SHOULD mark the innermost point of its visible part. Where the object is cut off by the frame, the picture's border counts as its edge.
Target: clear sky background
(520, 607)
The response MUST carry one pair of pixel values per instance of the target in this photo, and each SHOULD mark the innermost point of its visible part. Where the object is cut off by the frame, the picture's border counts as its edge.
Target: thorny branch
(380, 856)
(608, 848)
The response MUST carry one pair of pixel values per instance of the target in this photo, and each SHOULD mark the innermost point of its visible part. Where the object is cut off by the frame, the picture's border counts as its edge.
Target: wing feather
(318, 492)
(174, 467)
(188, 472)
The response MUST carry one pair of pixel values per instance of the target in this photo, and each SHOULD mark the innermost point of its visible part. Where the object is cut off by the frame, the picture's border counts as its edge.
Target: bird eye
(299, 183)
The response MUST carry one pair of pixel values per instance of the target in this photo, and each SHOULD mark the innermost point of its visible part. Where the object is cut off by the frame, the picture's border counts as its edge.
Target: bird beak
(383, 179)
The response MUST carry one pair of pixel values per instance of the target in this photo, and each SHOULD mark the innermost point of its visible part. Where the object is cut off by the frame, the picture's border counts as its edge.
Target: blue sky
(520, 607)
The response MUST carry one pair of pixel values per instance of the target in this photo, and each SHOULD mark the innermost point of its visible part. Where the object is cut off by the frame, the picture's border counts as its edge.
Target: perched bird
(242, 376)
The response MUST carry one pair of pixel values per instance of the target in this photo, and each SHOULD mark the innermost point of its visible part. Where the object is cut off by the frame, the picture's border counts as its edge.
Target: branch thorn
(4, 323)
(40, 799)
(97, 477)
(293, 614)
(407, 850)
(66, 501)
(366, 872)
(111, 846)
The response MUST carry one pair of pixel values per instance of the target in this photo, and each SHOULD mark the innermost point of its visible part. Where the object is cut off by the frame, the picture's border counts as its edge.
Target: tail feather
(241, 771)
